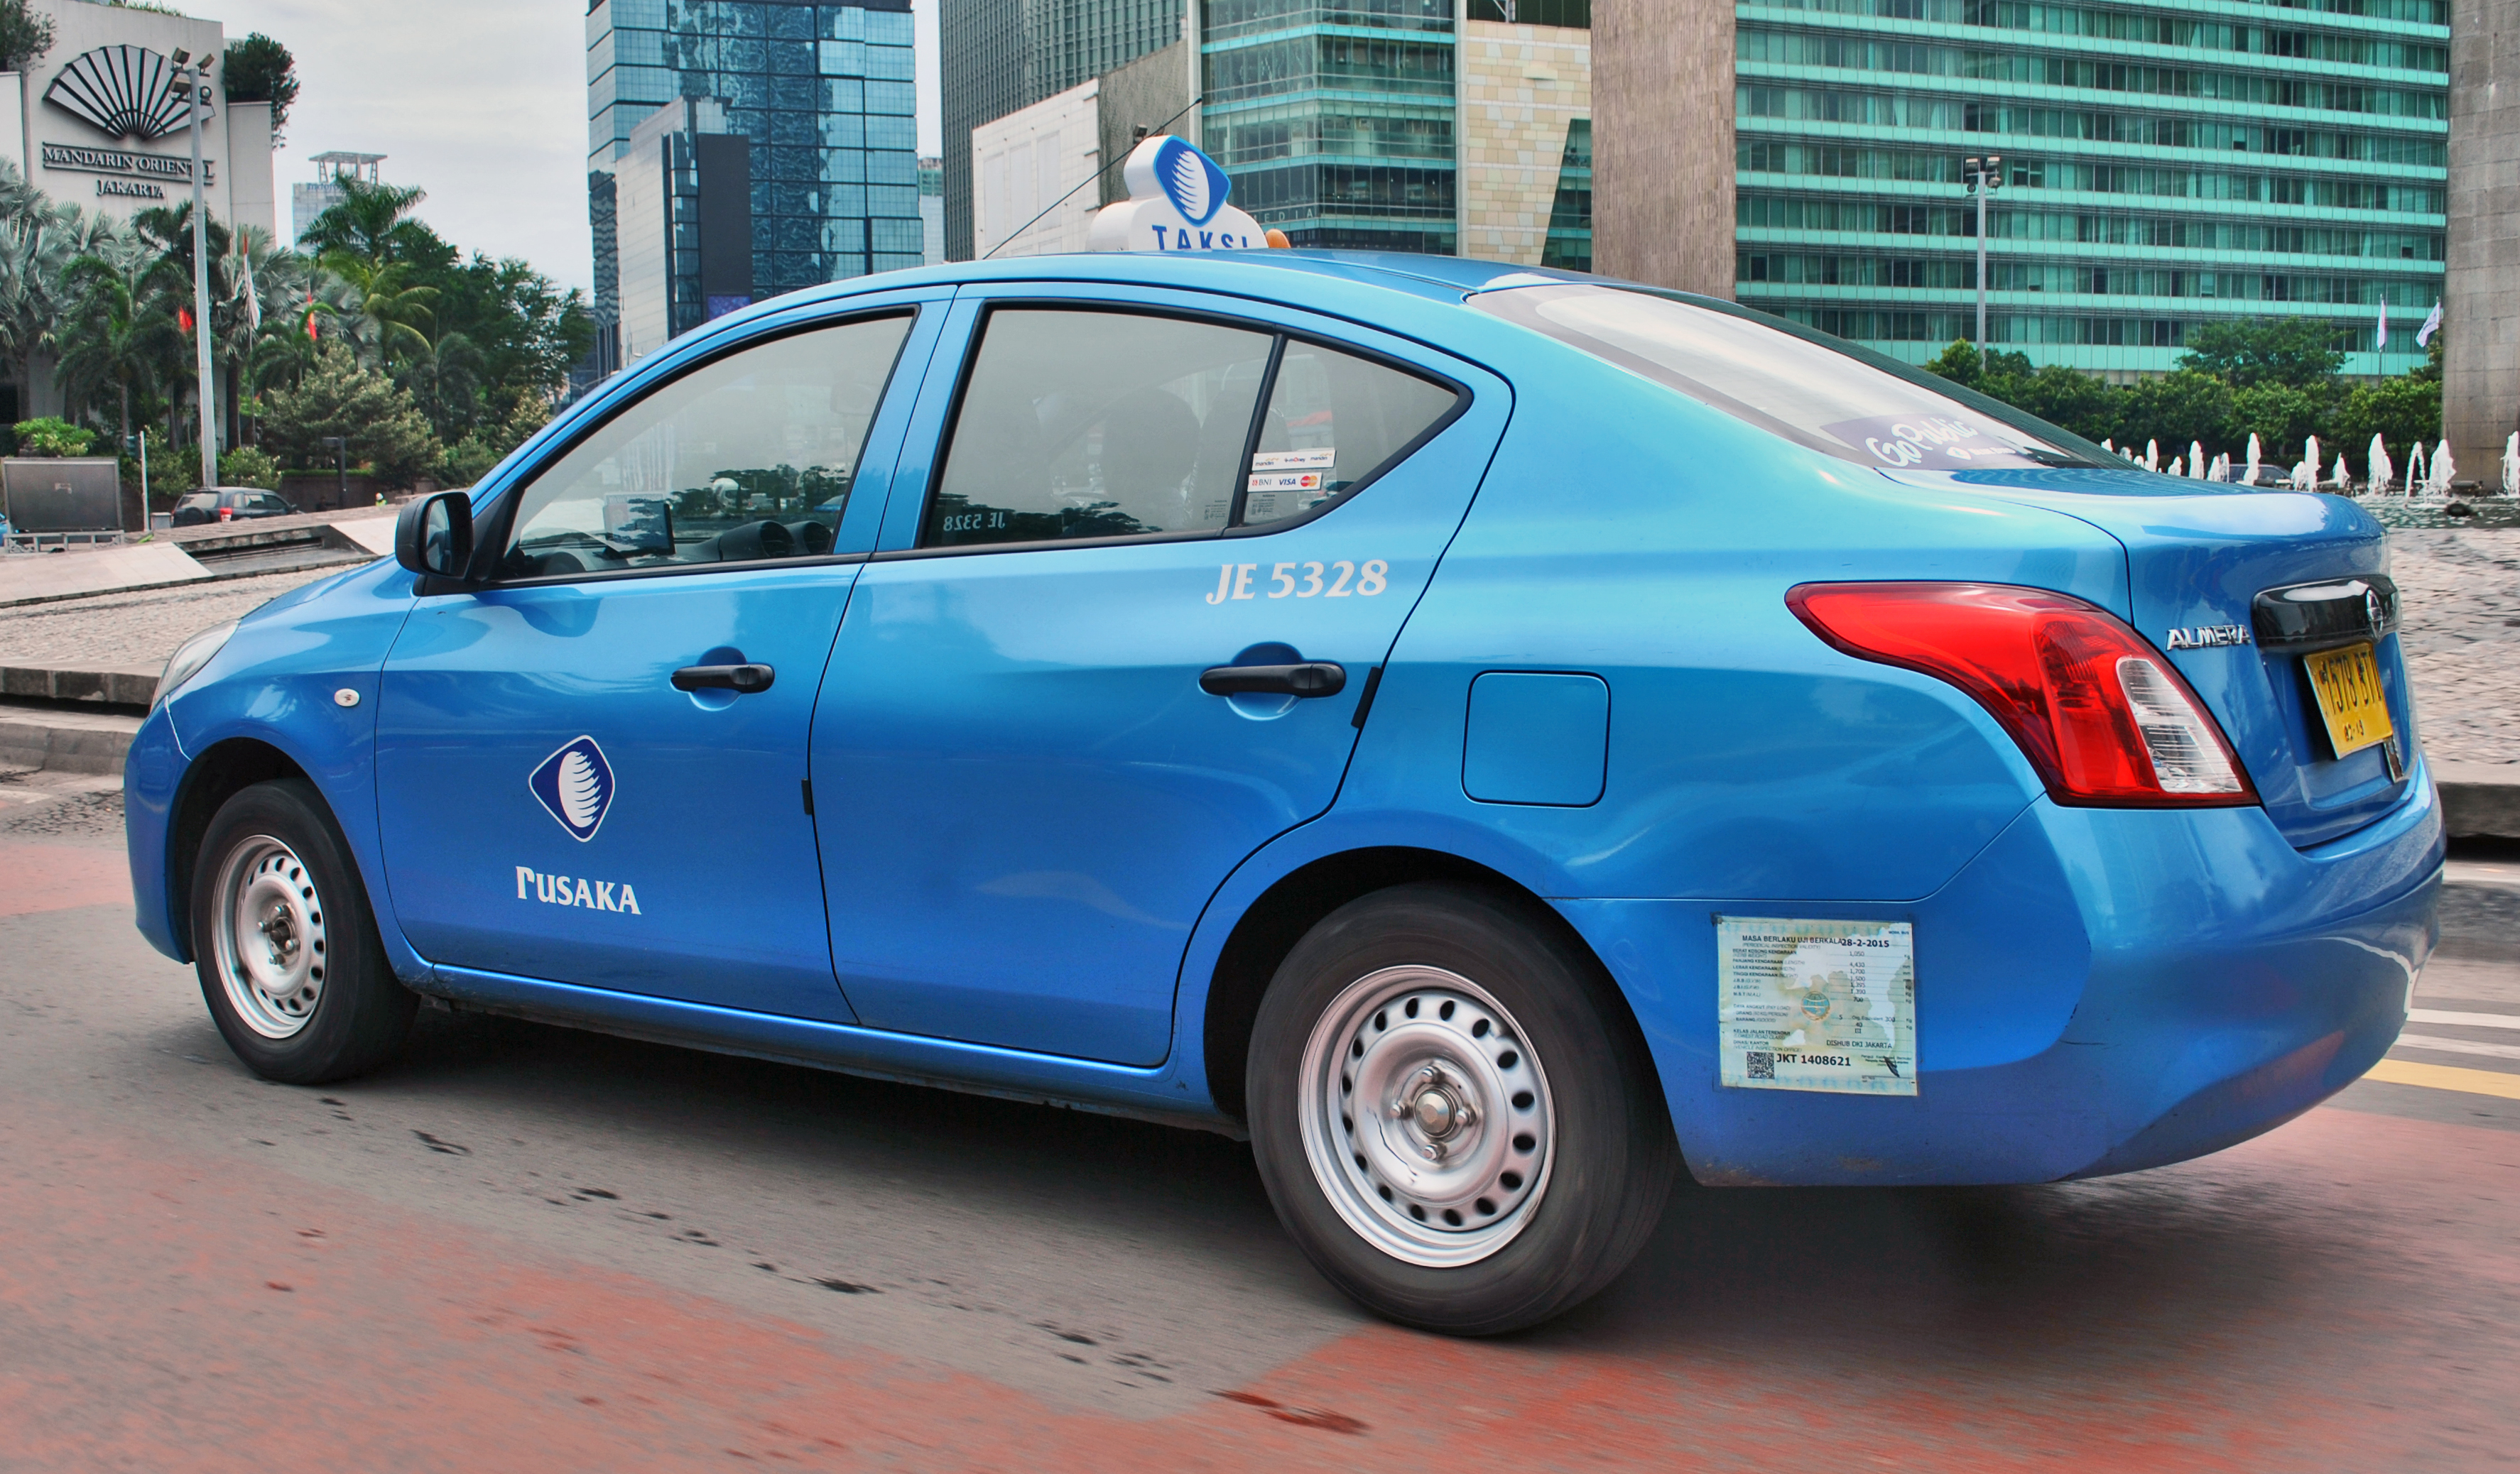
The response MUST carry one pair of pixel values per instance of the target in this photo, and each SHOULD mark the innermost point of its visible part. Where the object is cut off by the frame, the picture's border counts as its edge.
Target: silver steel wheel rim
(270, 937)
(1425, 1119)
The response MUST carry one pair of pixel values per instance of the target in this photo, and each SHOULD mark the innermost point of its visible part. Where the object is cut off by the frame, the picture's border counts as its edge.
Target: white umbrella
(2255, 457)
(2152, 455)
(2443, 469)
(2195, 457)
(2379, 466)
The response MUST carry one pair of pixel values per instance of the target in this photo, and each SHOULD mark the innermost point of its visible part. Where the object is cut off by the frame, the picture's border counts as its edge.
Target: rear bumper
(2100, 991)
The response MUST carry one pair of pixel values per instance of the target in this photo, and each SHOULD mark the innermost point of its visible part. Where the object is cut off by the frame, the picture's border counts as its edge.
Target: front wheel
(1453, 1113)
(284, 946)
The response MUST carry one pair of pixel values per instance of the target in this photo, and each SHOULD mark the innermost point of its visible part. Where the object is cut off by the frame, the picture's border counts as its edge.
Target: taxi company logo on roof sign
(1177, 201)
(576, 783)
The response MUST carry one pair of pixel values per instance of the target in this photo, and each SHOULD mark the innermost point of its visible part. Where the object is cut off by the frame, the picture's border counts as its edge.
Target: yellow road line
(2442, 1077)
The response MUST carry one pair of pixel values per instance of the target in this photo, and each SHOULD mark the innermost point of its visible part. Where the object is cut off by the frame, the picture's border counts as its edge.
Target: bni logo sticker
(576, 783)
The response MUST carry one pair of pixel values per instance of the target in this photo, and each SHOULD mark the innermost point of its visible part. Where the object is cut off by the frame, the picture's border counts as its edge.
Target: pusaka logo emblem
(1192, 181)
(576, 783)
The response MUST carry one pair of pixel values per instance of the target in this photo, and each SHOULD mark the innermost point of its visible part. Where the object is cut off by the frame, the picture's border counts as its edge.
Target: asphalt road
(527, 1248)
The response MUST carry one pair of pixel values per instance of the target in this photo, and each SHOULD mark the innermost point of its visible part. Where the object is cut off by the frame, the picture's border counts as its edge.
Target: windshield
(1810, 387)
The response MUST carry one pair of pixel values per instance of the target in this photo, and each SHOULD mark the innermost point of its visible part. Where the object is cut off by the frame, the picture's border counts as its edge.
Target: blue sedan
(1491, 737)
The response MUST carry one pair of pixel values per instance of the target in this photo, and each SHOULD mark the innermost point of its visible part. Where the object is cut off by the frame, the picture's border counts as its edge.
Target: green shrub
(246, 466)
(49, 437)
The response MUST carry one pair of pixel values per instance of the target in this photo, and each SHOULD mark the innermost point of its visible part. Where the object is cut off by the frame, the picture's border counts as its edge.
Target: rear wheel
(1453, 1113)
(284, 943)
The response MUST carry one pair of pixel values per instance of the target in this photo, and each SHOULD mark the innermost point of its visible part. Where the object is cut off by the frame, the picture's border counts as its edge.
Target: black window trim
(1462, 397)
(492, 540)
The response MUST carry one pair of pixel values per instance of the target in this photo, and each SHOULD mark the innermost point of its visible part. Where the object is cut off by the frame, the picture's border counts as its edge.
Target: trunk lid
(2237, 587)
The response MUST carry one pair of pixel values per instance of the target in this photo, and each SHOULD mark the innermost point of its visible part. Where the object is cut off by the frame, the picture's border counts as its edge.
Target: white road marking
(2458, 1047)
(2463, 1020)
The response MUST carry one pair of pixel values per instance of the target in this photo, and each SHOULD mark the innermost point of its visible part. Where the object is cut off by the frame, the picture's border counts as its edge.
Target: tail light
(2097, 711)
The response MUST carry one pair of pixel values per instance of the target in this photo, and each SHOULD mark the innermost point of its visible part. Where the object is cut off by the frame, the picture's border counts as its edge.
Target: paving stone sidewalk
(2462, 632)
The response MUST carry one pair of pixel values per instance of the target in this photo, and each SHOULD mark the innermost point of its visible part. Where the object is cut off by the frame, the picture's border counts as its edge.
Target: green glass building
(2166, 163)
(1334, 117)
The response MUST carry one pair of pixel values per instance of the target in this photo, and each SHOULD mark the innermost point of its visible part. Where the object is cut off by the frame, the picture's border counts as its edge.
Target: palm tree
(378, 313)
(367, 222)
(38, 240)
(120, 330)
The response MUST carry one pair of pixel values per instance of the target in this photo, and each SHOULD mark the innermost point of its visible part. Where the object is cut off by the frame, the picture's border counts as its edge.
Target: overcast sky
(483, 102)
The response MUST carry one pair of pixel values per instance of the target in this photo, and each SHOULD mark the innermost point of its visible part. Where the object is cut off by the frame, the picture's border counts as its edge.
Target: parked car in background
(229, 504)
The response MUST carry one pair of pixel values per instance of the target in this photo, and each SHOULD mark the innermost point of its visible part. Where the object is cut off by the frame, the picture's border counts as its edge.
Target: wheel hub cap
(1425, 1121)
(269, 937)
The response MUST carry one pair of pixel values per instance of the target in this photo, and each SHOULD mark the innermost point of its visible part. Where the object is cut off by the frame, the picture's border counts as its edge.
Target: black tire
(1599, 1181)
(307, 996)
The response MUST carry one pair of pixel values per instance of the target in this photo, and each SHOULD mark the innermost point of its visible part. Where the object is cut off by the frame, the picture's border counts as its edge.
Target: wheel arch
(1278, 918)
(227, 768)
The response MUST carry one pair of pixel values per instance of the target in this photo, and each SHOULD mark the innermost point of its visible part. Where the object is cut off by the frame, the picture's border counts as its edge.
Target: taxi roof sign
(1177, 201)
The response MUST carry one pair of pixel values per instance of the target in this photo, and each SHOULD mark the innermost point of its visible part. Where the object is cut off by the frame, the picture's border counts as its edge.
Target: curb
(58, 741)
(2479, 800)
(110, 686)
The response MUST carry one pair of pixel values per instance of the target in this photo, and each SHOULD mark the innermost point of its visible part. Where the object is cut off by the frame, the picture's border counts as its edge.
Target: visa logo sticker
(575, 786)
(1287, 480)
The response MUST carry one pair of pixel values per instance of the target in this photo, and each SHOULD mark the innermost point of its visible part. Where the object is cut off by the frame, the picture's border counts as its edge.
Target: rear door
(1029, 796)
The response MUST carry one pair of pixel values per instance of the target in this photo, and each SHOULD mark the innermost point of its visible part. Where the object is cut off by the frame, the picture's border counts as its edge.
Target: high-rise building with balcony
(823, 96)
(2166, 163)
(1002, 56)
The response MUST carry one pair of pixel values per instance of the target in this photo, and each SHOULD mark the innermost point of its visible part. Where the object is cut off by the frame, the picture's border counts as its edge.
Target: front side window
(1829, 395)
(747, 457)
(1079, 424)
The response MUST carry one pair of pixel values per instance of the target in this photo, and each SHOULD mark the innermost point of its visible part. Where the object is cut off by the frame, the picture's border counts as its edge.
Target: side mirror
(433, 536)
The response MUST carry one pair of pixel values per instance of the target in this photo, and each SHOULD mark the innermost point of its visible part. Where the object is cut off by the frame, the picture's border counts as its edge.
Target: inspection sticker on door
(1816, 1005)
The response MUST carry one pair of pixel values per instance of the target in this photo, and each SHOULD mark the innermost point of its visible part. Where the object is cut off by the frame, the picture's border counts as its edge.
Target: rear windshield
(1807, 386)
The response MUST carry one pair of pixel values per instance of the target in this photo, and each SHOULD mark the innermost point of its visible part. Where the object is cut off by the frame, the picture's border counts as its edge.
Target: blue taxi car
(1490, 736)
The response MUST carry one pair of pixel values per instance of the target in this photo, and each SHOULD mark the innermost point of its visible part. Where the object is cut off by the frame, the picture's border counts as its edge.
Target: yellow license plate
(2347, 683)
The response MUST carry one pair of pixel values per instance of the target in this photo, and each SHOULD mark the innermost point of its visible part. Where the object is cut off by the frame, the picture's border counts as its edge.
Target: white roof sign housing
(1177, 201)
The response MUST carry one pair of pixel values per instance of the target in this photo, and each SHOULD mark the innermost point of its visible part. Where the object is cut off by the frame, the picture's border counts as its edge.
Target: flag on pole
(2383, 345)
(252, 299)
(2432, 324)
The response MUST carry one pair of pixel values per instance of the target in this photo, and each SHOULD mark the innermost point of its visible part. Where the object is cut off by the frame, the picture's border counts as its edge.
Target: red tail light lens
(2101, 715)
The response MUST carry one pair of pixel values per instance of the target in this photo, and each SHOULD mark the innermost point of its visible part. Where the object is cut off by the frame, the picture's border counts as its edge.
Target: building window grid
(1827, 120)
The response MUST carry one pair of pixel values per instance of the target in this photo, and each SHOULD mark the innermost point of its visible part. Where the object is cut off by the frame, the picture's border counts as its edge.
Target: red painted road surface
(2343, 1294)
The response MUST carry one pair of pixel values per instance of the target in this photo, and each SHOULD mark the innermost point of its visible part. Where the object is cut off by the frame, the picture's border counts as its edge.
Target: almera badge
(575, 784)
(1175, 203)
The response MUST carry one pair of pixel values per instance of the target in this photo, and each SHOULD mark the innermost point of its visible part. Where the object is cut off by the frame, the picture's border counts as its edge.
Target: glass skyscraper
(824, 95)
(1335, 118)
(1002, 56)
(2166, 163)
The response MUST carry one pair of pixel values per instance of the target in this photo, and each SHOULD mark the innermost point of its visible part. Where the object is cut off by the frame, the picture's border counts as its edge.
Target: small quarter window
(1334, 420)
(747, 457)
(1078, 424)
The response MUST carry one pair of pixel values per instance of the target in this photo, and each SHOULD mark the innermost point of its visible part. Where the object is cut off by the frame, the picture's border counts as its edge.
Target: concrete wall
(2481, 299)
(1662, 143)
(1520, 86)
(1027, 159)
(1149, 93)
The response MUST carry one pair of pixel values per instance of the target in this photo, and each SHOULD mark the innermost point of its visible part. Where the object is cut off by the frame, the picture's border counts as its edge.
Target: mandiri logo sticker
(576, 783)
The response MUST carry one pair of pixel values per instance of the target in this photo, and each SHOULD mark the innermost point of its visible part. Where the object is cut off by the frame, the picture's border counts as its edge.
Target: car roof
(1266, 273)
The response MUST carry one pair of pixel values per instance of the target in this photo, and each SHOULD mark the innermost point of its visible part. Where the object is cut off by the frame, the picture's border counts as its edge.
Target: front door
(575, 781)
(1032, 796)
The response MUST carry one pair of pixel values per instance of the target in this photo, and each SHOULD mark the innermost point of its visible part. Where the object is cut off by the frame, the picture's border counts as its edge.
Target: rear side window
(1829, 395)
(747, 457)
(1081, 424)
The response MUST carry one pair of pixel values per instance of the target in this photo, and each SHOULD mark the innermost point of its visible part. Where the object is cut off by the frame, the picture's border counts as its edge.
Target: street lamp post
(1984, 177)
(195, 77)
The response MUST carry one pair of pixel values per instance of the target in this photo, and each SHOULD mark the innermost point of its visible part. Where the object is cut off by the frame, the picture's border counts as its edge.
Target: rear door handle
(743, 680)
(1312, 678)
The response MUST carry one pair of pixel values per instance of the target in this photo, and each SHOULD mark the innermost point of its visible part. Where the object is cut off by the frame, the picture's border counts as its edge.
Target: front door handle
(743, 680)
(1311, 677)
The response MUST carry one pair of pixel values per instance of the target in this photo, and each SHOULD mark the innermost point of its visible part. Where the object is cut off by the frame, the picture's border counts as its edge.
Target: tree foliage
(259, 70)
(338, 397)
(25, 34)
(2273, 379)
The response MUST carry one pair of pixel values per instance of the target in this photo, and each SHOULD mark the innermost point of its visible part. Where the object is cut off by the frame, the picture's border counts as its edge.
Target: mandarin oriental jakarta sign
(1177, 201)
(123, 92)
